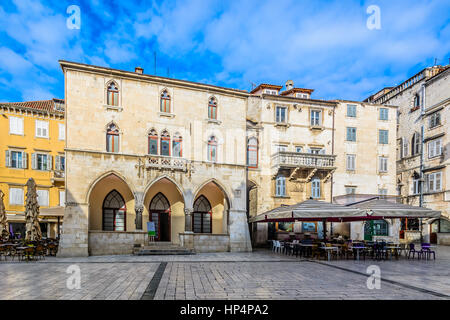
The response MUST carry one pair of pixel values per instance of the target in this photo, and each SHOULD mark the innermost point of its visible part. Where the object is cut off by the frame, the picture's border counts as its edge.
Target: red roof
(54, 105)
(265, 85)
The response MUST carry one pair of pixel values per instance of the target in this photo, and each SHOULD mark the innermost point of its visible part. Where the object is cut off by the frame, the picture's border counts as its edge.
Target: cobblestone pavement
(258, 275)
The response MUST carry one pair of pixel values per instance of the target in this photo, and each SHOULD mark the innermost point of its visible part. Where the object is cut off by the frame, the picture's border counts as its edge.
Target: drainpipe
(422, 148)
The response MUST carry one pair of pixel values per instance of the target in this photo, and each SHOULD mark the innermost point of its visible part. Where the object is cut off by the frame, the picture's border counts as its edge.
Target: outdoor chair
(427, 251)
(279, 247)
(413, 250)
(379, 251)
(3, 251)
(346, 251)
(40, 251)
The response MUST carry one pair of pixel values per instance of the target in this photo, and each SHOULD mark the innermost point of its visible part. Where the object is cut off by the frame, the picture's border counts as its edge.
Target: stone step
(161, 248)
(163, 252)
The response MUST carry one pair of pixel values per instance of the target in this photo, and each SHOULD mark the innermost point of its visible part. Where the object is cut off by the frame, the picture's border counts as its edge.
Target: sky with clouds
(322, 44)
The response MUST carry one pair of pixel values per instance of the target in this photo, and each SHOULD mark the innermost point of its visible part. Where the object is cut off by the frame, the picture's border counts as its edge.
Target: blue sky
(323, 45)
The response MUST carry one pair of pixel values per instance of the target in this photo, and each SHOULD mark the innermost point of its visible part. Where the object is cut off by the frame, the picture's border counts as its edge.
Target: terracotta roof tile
(53, 106)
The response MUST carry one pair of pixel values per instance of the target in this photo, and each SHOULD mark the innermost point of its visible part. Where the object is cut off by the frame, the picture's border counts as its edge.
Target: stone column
(139, 209)
(239, 233)
(75, 234)
(188, 220)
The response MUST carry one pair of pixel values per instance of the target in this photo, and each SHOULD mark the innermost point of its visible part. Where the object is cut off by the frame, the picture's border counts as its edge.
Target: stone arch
(97, 193)
(104, 175)
(220, 186)
(170, 222)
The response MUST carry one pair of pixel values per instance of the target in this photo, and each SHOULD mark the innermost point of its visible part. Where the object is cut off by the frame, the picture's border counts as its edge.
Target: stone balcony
(166, 162)
(57, 176)
(307, 162)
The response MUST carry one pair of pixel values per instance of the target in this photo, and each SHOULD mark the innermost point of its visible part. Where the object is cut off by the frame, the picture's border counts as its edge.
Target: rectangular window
(350, 190)
(315, 188)
(298, 149)
(316, 117)
(16, 125)
(16, 159)
(42, 198)
(15, 196)
(382, 192)
(112, 143)
(165, 147)
(383, 136)
(280, 186)
(405, 148)
(61, 131)
(212, 152)
(434, 120)
(434, 181)
(176, 148)
(351, 134)
(351, 110)
(41, 129)
(434, 148)
(281, 148)
(281, 115)
(153, 145)
(416, 186)
(62, 198)
(60, 163)
(384, 112)
(41, 161)
(351, 162)
(383, 164)
(316, 151)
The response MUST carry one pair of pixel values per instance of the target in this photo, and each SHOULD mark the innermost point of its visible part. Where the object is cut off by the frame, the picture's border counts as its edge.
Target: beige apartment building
(301, 148)
(143, 148)
(423, 148)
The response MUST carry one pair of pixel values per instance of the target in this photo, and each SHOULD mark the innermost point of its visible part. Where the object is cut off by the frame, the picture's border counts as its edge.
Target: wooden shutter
(33, 161)
(49, 162)
(7, 158)
(24, 160)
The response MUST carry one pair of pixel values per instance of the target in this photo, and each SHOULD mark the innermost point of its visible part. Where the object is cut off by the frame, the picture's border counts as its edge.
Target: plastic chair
(413, 250)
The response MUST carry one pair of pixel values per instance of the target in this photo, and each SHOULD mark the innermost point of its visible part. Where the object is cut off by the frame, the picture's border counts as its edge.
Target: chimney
(139, 70)
(289, 85)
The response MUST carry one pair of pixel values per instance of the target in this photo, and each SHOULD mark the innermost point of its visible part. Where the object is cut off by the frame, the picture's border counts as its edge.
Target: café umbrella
(32, 228)
(4, 233)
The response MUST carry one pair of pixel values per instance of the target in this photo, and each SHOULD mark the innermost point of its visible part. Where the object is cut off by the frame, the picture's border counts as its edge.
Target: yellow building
(32, 140)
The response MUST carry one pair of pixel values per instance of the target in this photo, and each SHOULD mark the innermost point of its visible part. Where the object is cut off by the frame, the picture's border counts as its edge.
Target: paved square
(258, 275)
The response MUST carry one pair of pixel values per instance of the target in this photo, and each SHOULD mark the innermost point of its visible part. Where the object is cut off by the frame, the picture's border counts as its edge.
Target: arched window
(159, 202)
(415, 144)
(112, 98)
(201, 217)
(177, 150)
(160, 214)
(212, 149)
(165, 102)
(153, 142)
(165, 143)
(212, 108)
(112, 138)
(252, 152)
(416, 100)
(114, 212)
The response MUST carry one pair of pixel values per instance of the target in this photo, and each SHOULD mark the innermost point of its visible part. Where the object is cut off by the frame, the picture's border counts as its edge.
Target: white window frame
(385, 134)
(43, 197)
(42, 125)
(432, 120)
(405, 147)
(347, 134)
(434, 181)
(16, 197)
(280, 186)
(351, 162)
(16, 125)
(315, 120)
(278, 114)
(9, 159)
(415, 186)
(62, 198)
(35, 162)
(382, 164)
(434, 148)
(61, 131)
(350, 190)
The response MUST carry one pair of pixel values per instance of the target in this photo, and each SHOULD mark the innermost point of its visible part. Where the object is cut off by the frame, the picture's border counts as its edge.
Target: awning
(51, 212)
(385, 209)
(310, 210)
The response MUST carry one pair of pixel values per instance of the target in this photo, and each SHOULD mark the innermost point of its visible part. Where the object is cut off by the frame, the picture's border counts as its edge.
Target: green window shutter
(49, 162)
(33, 161)
(57, 163)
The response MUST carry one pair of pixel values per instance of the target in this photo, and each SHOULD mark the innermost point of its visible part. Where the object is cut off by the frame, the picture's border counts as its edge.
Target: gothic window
(153, 142)
(212, 109)
(165, 102)
(252, 152)
(114, 212)
(165, 144)
(177, 150)
(113, 94)
(112, 138)
(201, 217)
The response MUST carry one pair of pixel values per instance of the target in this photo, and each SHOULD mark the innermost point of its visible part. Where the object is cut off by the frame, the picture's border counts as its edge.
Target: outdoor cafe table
(358, 248)
(308, 245)
(328, 250)
(393, 249)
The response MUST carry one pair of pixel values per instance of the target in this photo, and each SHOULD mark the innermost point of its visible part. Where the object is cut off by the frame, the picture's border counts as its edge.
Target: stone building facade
(143, 148)
(423, 148)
